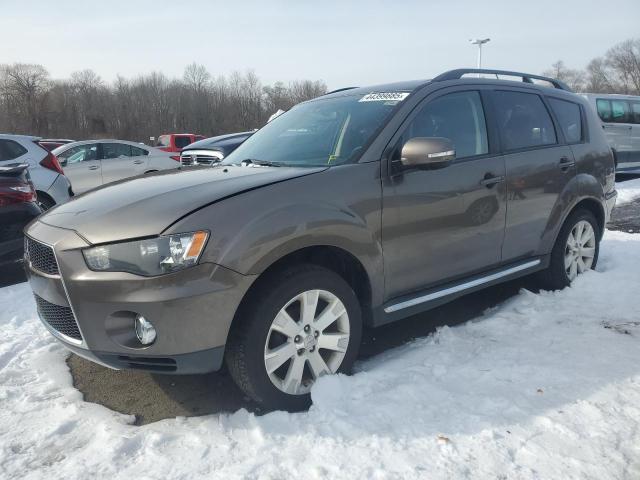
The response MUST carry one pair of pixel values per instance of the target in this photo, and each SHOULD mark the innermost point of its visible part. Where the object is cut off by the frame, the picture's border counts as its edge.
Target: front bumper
(191, 310)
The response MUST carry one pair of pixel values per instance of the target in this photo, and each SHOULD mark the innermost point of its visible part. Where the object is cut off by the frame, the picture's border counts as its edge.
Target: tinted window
(115, 150)
(10, 150)
(614, 111)
(182, 142)
(456, 116)
(138, 152)
(523, 120)
(568, 114)
(635, 112)
(81, 153)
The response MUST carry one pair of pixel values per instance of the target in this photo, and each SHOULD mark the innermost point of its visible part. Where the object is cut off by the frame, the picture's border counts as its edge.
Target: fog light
(144, 330)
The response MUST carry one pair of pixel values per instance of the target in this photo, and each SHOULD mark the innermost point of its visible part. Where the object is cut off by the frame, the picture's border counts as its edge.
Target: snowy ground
(628, 191)
(544, 386)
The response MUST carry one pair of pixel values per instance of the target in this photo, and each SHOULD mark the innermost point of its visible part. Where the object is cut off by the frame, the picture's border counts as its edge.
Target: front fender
(339, 207)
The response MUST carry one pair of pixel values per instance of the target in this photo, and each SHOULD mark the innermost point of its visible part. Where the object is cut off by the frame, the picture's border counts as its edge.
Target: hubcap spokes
(580, 250)
(307, 339)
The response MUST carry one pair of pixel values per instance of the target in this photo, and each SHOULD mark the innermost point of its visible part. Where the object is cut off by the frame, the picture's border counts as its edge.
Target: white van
(620, 115)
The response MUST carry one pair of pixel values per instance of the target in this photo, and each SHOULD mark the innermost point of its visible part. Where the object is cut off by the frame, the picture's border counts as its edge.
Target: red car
(175, 142)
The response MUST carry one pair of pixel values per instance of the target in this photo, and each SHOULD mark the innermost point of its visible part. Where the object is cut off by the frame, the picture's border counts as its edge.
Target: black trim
(204, 361)
(526, 77)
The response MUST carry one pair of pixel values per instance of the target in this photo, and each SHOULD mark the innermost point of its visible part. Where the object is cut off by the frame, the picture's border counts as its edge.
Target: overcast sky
(340, 42)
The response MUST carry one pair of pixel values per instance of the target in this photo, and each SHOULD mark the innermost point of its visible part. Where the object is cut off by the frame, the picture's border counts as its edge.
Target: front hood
(146, 206)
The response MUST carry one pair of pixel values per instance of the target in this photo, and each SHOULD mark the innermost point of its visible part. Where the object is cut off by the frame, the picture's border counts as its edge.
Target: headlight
(150, 257)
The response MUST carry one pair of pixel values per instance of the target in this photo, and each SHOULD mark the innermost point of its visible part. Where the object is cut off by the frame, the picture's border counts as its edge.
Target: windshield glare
(318, 133)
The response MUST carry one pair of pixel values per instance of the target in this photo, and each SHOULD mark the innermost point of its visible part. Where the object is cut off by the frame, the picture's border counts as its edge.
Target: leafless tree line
(85, 106)
(618, 71)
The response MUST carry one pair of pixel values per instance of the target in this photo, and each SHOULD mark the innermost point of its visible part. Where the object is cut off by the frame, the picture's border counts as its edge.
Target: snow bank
(628, 191)
(536, 388)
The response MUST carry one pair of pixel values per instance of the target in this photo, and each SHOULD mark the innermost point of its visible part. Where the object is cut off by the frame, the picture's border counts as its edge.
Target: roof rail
(338, 90)
(526, 77)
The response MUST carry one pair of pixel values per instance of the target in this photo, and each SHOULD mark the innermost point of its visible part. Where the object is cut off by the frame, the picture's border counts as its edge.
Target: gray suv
(358, 208)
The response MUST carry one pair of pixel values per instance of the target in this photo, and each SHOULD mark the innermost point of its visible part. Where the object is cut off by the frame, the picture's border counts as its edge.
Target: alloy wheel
(580, 249)
(308, 338)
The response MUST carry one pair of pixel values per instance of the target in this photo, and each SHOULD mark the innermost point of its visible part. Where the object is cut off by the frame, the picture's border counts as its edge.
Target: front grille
(40, 256)
(59, 318)
(187, 160)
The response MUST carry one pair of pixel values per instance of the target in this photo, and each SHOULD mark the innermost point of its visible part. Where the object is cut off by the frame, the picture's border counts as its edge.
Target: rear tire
(279, 348)
(576, 250)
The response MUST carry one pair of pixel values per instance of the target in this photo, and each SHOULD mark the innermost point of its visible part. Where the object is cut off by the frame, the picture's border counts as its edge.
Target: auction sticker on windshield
(384, 97)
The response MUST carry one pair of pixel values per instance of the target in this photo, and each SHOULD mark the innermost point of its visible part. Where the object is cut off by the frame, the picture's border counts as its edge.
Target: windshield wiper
(261, 163)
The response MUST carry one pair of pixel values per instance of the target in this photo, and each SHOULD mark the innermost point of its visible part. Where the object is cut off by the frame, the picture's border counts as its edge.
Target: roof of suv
(456, 75)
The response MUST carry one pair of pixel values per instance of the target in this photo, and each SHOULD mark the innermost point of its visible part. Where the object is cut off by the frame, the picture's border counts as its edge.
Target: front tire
(575, 252)
(299, 324)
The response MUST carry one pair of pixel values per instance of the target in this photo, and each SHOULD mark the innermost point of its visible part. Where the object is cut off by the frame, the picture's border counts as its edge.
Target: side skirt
(408, 305)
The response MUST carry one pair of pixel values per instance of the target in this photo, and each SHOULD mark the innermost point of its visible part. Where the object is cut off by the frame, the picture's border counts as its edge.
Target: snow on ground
(628, 190)
(536, 388)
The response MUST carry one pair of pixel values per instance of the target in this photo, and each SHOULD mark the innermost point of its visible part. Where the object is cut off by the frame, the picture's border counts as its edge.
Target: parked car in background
(53, 143)
(52, 187)
(175, 142)
(18, 206)
(620, 115)
(92, 163)
(212, 150)
(343, 212)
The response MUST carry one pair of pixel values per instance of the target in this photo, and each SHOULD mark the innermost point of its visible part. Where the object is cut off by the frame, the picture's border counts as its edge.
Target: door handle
(490, 180)
(93, 167)
(566, 163)
(138, 162)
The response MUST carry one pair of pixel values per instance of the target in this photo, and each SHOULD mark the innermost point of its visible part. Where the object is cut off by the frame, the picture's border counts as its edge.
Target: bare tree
(84, 106)
(573, 78)
(624, 59)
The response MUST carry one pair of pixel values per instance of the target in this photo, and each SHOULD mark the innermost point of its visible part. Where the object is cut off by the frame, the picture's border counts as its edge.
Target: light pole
(479, 42)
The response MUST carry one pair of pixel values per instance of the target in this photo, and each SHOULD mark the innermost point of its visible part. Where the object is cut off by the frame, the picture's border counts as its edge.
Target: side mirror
(434, 152)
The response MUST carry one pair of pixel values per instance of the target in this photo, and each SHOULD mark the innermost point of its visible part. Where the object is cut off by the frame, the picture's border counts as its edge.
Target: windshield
(319, 133)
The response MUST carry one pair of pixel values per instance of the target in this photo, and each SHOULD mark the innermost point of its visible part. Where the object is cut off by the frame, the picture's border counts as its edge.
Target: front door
(438, 224)
(82, 167)
(539, 165)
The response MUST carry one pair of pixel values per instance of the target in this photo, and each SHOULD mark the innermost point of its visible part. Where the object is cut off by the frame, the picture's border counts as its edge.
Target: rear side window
(138, 152)
(115, 150)
(10, 150)
(182, 142)
(635, 112)
(613, 111)
(568, 114)
(456, 116)
(523, 120)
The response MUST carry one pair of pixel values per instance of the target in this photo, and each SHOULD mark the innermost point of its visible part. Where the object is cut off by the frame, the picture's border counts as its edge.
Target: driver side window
(457, 116)
(81, 153)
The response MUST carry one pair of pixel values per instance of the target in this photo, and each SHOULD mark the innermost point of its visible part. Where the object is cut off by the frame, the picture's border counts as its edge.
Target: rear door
(615, 117)
(117, 162)
(82, 167)
(539, 164)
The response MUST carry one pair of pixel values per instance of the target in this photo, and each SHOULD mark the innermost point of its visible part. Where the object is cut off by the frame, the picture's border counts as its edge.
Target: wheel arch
(333, 258)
